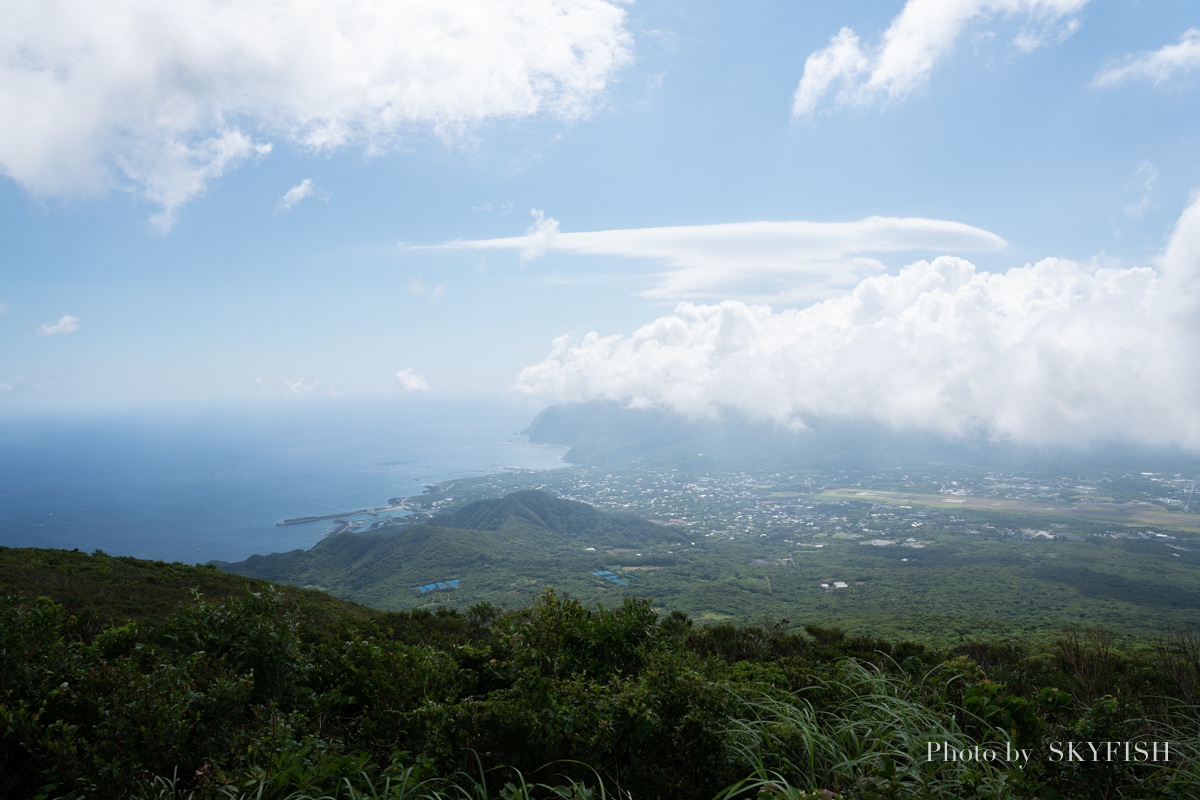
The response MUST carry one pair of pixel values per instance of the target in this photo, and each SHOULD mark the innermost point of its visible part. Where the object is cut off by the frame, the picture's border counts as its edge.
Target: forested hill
(502, 551)
(569, 519)
(99, 589)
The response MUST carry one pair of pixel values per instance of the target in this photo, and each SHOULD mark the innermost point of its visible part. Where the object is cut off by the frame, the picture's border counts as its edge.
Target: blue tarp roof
(433, 587)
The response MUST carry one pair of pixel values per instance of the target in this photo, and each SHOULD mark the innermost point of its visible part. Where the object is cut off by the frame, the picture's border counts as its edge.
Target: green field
(1124, 514)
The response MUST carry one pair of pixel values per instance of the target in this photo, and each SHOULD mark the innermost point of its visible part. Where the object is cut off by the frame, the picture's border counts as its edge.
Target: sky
(955, 216)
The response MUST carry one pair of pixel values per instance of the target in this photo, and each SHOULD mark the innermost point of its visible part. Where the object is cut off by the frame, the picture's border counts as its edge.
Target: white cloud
(921, 35)
(779, 261)
(410, 381)
(66, 324)
(540, 236)
(179, 172)
(162, 99)
(843, 61)
(302, 190)
(300, 387)
(305, 387)
(1031, 38)
(1157, 66)
(1053, 352)
(1180, 268)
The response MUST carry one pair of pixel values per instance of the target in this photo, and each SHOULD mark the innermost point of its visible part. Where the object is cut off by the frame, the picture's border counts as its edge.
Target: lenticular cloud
(1052, 352)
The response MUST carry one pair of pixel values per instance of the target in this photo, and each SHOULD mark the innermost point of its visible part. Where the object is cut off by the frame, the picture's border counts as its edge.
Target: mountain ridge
(609, 434)
(537, 538)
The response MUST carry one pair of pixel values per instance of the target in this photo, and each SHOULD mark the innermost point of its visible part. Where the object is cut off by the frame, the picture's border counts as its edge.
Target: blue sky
(955, 216)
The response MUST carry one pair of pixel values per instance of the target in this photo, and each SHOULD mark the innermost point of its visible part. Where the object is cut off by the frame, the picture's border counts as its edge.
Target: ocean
(205, 485)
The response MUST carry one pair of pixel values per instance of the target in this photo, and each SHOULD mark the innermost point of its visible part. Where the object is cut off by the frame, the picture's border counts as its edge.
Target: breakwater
(373, 512)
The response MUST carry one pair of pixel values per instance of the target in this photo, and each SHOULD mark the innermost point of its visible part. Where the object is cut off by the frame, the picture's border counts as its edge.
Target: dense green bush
(242, 698)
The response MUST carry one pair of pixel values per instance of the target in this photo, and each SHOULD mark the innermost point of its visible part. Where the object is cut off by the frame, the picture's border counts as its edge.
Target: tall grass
(869, 738)
(859, 732)
(1180, 777)
(404, 785)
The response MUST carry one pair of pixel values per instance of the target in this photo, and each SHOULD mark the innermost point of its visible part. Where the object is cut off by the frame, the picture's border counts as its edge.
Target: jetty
(373, 512)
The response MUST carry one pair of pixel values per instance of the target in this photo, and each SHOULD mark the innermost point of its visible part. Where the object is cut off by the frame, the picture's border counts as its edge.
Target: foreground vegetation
(267, 695)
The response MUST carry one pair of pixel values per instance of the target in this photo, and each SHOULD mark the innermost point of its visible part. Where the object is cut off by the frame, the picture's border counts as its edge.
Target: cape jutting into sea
(198, 486)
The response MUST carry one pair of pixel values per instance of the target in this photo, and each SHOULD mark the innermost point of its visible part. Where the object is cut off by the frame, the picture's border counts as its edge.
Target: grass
(873, 741)
(407, 784)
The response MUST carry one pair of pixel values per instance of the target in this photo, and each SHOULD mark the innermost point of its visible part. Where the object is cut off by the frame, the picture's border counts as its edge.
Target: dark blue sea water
(198, 486)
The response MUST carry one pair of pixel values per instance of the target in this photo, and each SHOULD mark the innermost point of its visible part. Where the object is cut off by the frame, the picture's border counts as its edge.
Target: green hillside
(122, 681)
(99, 589)
(503, 551)
(955, 584)
(567, 521)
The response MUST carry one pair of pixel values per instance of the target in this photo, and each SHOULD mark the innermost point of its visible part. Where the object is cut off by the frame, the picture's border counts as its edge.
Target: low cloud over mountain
(1055, 352)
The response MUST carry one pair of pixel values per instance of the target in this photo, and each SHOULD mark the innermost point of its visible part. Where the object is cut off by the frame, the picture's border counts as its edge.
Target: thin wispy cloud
(1157, 66)
(1053, 353)
(66, 324)
(305, 387)
(503, 209)
(174, 173)
(301, 191)
(410, 381)
(163, 100)
(776, 261)
(1144, 177)
(299, 386)
(924, 32)
(419, 288)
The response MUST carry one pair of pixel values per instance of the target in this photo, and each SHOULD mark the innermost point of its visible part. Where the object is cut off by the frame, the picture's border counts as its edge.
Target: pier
(374, 512)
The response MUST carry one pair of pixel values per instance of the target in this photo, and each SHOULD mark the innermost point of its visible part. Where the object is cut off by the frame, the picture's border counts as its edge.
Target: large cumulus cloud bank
(163, 97)
(1049, 353)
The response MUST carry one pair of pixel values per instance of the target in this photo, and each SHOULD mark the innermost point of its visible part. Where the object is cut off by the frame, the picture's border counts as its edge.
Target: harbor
(342, 515)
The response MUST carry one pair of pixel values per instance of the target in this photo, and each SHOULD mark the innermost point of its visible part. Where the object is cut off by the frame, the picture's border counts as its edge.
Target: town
(878, 508)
